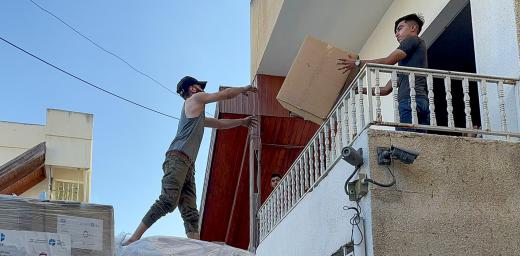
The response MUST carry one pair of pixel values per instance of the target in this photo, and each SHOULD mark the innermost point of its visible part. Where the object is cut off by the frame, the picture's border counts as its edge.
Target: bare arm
(225, 94)
(387, 89)
(229, 123)
(394, 57)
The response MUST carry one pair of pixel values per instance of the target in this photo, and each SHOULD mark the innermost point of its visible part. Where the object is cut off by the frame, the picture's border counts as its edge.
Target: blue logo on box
(2, 237)
(52, 242)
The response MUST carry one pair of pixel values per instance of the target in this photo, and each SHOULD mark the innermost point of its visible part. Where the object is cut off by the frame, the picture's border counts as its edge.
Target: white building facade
(458, 197)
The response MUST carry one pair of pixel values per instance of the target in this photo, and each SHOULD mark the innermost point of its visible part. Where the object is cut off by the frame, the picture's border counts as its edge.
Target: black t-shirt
(415, 49)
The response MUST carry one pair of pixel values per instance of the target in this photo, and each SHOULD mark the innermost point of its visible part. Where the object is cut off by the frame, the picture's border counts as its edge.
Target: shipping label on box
(17, 243)
(85, 233)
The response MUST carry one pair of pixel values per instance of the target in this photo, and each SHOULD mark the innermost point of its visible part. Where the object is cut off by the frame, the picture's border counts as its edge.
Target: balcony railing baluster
(341, 128)
(431, 100)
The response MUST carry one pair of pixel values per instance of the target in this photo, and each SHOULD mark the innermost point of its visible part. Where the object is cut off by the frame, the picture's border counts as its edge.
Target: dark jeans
(405, 113)
(178, 189)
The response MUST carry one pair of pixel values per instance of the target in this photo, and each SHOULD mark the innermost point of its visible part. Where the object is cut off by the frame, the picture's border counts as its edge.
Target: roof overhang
(24, 171)
(346, 24)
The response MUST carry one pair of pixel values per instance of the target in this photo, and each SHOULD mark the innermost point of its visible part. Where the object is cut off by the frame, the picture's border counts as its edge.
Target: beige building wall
(68, 159)
(16, 138)
(263, 18)
(69, 139)
(461, 196)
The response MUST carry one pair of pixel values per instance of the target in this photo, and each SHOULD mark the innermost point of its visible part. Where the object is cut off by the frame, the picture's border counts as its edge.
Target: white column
(322, 155)
(379, 117)
(360, 99)
(345, 127)
(484, 99)
(501, 106)
(413, 104)
(326, 143)
(353, 111)
(339, 133)
(431, 101)
(467, 106)
(449, 103)
(397, 119)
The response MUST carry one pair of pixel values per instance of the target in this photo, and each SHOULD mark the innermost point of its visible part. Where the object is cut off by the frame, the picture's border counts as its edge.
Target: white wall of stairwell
(496, 52)
(318, 225)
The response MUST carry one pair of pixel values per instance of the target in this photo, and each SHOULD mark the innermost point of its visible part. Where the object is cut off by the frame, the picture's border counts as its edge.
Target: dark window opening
(454, 50)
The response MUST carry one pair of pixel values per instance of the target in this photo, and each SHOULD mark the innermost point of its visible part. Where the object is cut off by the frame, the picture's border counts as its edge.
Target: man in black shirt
(410, 53)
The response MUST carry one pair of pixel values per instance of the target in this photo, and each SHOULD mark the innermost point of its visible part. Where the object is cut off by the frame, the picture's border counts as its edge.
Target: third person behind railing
(410, 53)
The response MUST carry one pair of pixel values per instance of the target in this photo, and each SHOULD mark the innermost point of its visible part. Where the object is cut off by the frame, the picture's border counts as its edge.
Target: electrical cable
(86, 82)
(355, 220)
(386, 185)
(105, 50)
(102, 48)
(349, 178)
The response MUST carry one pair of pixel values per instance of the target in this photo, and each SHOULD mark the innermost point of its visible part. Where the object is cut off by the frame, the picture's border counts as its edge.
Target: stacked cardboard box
(90, 226)
(313, 83)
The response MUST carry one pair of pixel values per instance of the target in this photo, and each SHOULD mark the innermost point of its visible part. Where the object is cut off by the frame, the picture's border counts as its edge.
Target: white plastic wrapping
(167, 246)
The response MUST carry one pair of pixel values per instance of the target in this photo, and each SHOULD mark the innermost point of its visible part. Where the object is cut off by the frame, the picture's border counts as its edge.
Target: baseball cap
(188, 81)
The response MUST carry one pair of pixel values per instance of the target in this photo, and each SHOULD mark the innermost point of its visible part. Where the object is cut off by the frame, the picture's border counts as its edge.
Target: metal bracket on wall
(357, 188)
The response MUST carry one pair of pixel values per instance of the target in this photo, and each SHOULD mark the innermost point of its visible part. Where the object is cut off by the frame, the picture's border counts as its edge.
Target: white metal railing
(66, 190)
(348, 118)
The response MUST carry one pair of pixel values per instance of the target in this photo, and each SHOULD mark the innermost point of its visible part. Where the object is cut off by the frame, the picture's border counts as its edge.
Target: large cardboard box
(314, 82)
(89, 226)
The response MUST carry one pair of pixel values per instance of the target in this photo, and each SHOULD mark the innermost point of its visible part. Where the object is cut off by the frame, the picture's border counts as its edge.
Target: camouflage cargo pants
(178, 189)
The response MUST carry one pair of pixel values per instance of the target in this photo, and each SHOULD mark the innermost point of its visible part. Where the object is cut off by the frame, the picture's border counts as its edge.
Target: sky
(165, 39)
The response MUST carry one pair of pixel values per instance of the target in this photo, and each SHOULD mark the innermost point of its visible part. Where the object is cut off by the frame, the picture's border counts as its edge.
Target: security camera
(385, 155)
(352, 156)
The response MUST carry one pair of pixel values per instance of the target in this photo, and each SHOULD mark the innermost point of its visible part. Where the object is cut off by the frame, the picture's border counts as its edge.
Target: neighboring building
(55, 158)
(459, 197)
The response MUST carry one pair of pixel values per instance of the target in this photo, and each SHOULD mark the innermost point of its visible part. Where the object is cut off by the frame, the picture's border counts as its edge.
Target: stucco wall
(460, 197)
(263, 18)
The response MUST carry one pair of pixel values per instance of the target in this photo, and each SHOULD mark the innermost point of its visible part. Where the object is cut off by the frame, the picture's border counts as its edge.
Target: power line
(105, 50)
(102, 48)
(86, 82)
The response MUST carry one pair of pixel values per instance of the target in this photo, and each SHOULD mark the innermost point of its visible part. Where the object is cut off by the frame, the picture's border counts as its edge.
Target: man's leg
(423, 111)
(175, 170)
(405, 114)
(188, 206)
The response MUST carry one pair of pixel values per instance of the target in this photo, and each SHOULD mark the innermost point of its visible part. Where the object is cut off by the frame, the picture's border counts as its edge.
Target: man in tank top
(178, 182)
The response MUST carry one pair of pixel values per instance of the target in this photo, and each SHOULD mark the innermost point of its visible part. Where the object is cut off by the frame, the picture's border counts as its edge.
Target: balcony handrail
(440, 72)
(344, 124)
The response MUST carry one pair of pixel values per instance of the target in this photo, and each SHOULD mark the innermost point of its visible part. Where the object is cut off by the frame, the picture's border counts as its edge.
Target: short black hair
(411, 17)
(276, 175)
